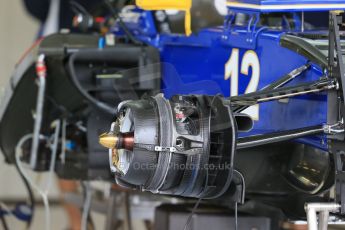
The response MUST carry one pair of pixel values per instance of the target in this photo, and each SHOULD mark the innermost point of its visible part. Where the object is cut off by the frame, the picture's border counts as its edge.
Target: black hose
(30, 193)
(103, 106)
(4, 222)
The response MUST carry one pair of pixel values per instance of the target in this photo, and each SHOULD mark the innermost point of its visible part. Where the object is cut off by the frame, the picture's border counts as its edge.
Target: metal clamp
(165, 149)
(334, 129)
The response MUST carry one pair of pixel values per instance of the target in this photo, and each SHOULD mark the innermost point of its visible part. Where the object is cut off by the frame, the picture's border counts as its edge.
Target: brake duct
(185, 146)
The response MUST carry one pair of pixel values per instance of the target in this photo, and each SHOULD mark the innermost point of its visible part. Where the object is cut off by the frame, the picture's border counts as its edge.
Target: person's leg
(73, 212)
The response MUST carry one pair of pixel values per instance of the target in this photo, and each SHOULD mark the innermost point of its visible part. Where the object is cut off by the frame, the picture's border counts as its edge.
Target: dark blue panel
(287, 5)
(197, 65)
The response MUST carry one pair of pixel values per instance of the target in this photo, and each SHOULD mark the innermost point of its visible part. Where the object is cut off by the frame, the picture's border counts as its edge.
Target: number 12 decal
(250, 59)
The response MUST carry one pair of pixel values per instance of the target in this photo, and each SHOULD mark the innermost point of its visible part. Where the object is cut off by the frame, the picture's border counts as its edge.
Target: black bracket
(340, 179)
(336, 70)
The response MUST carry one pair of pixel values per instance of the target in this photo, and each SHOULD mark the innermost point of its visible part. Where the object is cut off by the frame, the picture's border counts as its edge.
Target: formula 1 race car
(235, 103)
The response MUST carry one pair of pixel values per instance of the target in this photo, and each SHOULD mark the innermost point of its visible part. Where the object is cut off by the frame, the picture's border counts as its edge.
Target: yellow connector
(182, 5)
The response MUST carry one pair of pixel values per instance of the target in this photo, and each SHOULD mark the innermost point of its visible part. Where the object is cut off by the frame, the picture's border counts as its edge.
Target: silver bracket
(323, 210)
(165, 149)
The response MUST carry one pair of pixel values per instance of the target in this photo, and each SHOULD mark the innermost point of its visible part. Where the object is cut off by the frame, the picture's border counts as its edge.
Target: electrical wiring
(63, 141)
(103, 106)
(18, 153)
(4, 222)
(41, 72)
(30, 193)
(190, 217)
(78, 8)
(123, 26)
(4, 207)
(31, 200)
(241, 201)
(45, 190)
(86, 206)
